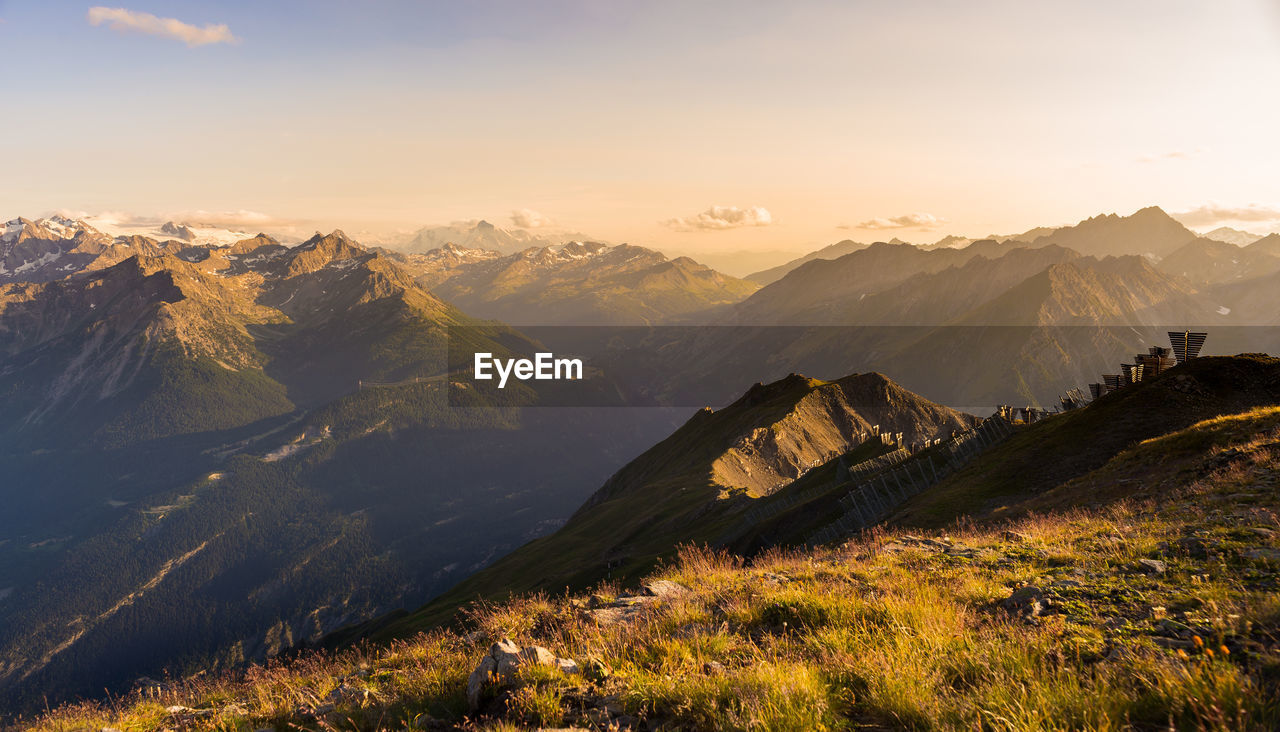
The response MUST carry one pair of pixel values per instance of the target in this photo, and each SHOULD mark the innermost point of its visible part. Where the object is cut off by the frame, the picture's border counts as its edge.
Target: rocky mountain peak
(180, 231)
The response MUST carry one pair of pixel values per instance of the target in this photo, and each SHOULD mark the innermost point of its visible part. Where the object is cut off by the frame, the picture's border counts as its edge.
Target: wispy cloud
(1170, 155)
(718, 218)
(1216, 215)
(123, 20)
(905, 221)
(235, 220)
(230, 219)
(528, 219)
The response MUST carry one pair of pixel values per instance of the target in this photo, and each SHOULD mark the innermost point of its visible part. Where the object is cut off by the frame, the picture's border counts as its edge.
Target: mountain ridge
(694, 485)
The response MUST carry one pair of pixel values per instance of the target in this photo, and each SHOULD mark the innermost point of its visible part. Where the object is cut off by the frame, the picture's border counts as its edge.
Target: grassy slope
(666, 497)
(887, 631)
(676, 470)
(1006, 479)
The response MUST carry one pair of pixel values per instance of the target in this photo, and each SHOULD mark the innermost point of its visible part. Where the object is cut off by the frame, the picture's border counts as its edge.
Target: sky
(707, 126)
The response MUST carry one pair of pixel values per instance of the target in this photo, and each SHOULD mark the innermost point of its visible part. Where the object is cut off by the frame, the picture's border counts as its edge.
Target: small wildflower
(1199, 643)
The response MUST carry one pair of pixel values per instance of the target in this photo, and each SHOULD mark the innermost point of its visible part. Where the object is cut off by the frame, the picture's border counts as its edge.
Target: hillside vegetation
(694, 486)
(1158, 607)
(1138, 591)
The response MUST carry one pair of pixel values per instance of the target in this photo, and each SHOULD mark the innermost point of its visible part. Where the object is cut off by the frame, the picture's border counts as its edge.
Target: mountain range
(481, 235)
(916, 312)
(1232, 236)
(278, 439)
(579, 283)
(263, 434)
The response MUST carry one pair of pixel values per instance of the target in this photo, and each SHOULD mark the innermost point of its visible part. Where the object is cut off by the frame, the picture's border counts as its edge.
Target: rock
(1173, 629)
(306, 710)
(1157, 612)
(1262, 553)
(478, 679)
(1150, 566)
(345, 694)
(713, 668)
(665, 589)
(503, 663)
(612, 615)
(568, 666)
(1194, 546)
(177, 709)
(534, 656)
(941, 544)
(1026, 601)
(1017, 536)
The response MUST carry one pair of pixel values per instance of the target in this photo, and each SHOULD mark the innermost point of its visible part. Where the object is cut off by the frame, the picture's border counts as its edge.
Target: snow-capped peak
(65, 227)
(54, 228)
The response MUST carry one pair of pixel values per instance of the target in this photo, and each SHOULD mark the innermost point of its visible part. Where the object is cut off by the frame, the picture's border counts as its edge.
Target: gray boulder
(503, 663)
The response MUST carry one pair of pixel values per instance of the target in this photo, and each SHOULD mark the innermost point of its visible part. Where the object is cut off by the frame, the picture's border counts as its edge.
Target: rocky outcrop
(501, 666)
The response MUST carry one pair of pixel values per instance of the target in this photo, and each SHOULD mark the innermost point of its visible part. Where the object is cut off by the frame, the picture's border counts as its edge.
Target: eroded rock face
(503, 663)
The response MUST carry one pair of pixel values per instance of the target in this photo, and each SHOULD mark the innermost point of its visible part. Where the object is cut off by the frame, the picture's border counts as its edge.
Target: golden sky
(711, 127)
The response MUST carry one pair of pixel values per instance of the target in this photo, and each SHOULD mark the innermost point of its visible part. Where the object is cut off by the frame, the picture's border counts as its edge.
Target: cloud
(718, 218)
(228, 219)
(1215, 215)
(120, 19)
(1171, 155)
(235, 220)
(529, 219)
(906, 221)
